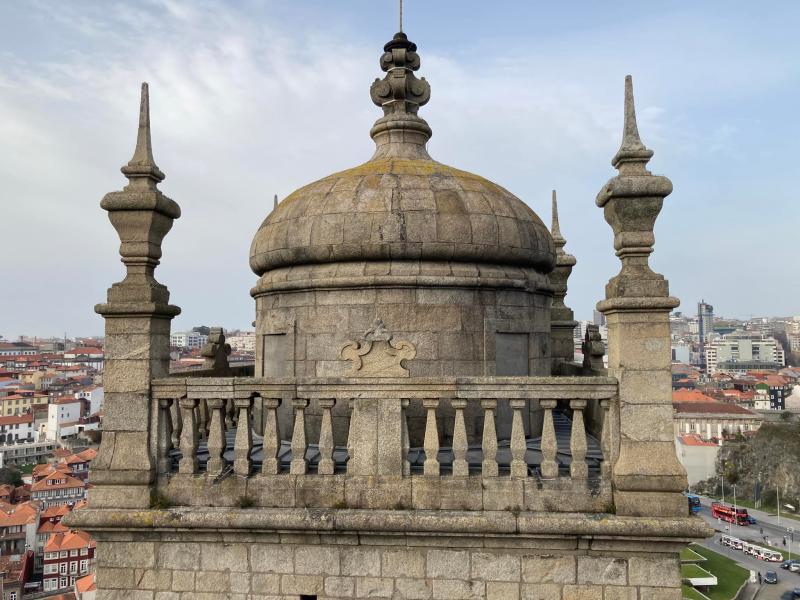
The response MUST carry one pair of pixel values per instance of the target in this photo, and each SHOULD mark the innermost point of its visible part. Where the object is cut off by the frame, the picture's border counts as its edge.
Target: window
(84, 551)
(73, 553)
(62, 582)
(12, 596)
(62, 568)
(84, 565)
(73, 567)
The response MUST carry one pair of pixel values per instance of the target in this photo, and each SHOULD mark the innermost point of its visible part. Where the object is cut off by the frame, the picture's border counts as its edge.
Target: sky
(251, 99)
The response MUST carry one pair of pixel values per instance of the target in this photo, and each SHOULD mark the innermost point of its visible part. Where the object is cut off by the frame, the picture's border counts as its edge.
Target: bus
(694, 504)
(728, 513)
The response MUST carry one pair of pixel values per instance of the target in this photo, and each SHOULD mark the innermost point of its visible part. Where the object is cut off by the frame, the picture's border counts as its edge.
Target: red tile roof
(690, 396)
(85, 584)
(713, 407)
(71, 540)
(692, 439)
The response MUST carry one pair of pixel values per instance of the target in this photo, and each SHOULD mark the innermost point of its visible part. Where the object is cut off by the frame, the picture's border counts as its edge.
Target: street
(774, 532)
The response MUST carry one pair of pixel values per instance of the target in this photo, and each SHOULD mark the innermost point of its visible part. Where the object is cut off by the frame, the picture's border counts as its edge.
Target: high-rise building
(705, 326)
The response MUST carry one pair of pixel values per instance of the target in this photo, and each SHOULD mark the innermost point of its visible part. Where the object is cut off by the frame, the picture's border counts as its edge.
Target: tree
(10, 475)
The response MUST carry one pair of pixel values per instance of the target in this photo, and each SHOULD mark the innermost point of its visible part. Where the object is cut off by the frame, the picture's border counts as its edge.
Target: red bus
(726, 512)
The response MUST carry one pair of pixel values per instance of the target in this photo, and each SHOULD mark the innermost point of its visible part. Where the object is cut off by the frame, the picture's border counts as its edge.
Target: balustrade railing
(224, 426)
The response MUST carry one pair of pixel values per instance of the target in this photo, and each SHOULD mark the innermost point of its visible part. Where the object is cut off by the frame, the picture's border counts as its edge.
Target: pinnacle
(632, 150)
(142, 164)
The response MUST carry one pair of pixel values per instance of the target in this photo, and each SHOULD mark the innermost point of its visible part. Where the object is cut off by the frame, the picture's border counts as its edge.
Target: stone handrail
(194, 415)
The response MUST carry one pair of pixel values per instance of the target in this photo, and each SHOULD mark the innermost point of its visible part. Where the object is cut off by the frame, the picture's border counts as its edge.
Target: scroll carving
(378, 355)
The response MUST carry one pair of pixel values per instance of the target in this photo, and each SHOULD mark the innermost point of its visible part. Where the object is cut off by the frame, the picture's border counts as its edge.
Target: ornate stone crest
(377, 355)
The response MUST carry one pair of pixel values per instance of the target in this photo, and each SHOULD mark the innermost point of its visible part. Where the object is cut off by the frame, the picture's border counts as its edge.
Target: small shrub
(159, 501)
(245, 501)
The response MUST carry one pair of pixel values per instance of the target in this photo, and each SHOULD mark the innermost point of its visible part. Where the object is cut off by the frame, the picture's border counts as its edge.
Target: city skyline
(235, 86)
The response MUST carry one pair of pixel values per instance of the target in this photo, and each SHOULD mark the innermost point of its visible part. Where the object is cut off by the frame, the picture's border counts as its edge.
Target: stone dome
(401, 204)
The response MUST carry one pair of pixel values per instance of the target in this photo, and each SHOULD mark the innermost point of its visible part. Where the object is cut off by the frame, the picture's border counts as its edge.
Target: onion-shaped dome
(401, 204)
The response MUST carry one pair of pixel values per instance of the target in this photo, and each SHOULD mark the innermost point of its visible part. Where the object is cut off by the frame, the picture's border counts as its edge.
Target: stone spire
(137, 315)
(400, 132)
(142, 166)
(646, 474)
(275, 202)
(555, 229)
(562, 319)
(633, 155)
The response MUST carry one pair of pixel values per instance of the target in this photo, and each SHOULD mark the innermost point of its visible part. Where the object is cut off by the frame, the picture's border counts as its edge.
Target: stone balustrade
(216, 433)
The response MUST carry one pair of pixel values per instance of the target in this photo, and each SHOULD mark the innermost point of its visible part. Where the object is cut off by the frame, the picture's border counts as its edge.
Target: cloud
(247, 103)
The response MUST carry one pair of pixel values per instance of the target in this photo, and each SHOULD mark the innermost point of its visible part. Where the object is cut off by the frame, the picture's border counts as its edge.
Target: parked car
(796, 593)
(770, 577)
(788, 563)
(794, 567)
(751, 520)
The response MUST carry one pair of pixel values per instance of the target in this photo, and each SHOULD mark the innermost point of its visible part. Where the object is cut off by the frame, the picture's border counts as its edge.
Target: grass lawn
(730, 576)
(693, 571)
(691, 593)
(689, 555)
(26, 469)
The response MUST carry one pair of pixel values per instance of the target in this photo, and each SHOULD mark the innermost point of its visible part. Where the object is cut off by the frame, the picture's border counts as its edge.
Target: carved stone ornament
(216, 352)
(377, 355)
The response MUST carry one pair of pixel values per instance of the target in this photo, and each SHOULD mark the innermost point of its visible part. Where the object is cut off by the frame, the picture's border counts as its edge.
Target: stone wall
(288, 565)
(451, 313)
(260, 554)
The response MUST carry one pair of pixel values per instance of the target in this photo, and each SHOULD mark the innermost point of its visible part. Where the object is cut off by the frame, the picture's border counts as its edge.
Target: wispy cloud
(247, 102)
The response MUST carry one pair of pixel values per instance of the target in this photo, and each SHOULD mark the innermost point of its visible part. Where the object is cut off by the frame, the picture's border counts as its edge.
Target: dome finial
(142, 165)
(400, 94)
(632, 155)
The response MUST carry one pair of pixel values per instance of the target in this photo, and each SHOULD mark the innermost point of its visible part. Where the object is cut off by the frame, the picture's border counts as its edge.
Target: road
(774, 532)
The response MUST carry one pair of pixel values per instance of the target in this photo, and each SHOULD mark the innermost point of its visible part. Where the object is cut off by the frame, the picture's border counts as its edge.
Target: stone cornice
(400, 522)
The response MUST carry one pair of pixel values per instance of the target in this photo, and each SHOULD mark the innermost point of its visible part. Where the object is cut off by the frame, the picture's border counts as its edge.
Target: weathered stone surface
(359, 561)
(495, 567)
(548, 569)
(450, 564)
(602, 570)
(662, 571)
(458, 589)
(316, 560)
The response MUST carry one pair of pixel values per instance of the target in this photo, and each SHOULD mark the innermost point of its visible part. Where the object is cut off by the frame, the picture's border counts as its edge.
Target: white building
(17, 429)
(188, 339)
(63, 416)
(243, 341)
(739, 352)
(94, 397)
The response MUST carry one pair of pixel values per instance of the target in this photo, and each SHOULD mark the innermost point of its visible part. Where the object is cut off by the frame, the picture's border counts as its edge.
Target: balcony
(486, 443)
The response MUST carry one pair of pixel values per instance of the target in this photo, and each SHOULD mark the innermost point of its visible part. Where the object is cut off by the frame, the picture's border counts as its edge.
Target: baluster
(230, 414)
(177, 424)
(460, 465)
(243, 443)
(326, 465)
(203, 419)
(431, 445)
(189, 436)
(489, 466)
(350, 440)
(549, 447)
(299, 465)
(270, 465)
(519, 468)
(216, 437)
(164, 435)
(404, 441)
(605, 440)
(577, 442)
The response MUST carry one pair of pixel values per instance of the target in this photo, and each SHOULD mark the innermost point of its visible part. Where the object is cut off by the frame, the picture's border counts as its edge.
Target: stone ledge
(530, 524)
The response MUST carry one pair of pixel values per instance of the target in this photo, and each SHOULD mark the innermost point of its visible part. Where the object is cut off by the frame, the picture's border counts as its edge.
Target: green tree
(11, 476)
